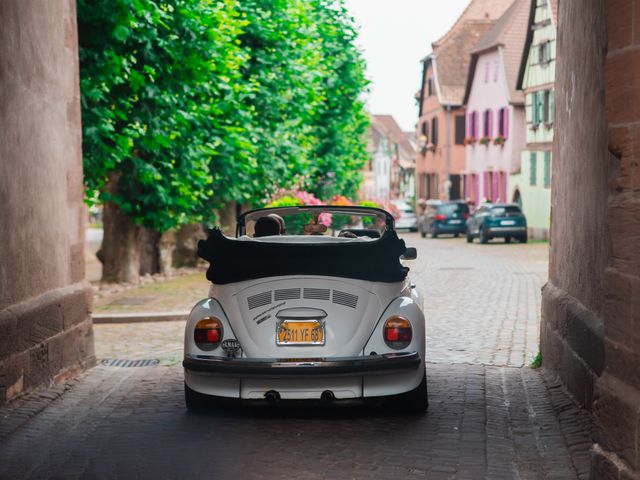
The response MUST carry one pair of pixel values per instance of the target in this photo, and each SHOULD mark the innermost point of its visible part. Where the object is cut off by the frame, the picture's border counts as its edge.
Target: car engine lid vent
(346, 299)
(287, 294)
(259, 300)
(111, 362)
(317, 294)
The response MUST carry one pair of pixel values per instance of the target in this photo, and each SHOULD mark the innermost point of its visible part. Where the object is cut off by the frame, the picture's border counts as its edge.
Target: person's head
(266, 226)
(280, 220)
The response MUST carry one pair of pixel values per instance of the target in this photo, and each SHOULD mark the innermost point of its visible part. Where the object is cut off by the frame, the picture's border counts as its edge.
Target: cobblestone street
(487, 418)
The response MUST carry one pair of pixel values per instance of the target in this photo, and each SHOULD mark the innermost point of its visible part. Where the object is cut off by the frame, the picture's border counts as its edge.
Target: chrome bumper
(369, 365)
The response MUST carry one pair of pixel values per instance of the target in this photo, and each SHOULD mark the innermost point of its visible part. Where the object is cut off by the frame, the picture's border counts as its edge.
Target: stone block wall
(591, 305)
(45, 303)
(572, 304)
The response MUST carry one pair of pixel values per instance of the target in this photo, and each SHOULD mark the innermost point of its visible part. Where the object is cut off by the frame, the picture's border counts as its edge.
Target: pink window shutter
(494, 189)
(504, 186)
(486, 186)
(476, 189)
(505, 127)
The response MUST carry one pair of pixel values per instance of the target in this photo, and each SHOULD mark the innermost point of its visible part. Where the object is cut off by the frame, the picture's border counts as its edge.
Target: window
(552, 107)
(547, 169)
(533, 169)
(430, 86)
(496, 71)
(538, 108)
(434, 130)
(473, 124)
(544, 53)
(459, 130)
(425, 129)
(487, 65)
(488, 123)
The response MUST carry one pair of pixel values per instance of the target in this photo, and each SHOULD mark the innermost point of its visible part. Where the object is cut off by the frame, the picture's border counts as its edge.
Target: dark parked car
(497, 221)
(445, 217)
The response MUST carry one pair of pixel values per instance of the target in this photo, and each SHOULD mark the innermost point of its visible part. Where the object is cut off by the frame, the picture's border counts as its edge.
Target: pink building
(495, 108)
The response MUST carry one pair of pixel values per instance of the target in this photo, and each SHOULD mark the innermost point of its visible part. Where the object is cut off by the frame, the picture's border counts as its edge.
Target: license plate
(508, 222)
(300, 332)
(455, 221)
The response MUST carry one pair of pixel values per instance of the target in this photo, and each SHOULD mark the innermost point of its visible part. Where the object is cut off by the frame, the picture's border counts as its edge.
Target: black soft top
(233, 260)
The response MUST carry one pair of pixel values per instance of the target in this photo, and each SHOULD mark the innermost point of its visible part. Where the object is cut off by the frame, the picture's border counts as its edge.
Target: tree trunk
(149, 255)
(166, 246)
(119, 251)
(227, 218)
(186, 250)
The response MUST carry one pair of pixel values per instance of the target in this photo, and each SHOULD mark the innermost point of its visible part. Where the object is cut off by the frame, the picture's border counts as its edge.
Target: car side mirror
(409, 254)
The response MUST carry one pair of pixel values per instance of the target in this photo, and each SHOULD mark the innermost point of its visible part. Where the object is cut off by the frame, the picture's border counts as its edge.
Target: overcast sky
(395, 35)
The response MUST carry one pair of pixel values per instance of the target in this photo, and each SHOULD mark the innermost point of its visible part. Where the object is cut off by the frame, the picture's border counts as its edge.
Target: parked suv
(497, 221)
(445, 217)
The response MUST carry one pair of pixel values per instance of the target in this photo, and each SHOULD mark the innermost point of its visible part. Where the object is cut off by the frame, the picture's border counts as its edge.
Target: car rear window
(451, 208)
(505, 210)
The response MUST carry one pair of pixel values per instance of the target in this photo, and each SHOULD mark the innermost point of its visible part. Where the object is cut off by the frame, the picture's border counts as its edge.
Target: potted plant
(499, 140)
(469, 141)
(485, 140)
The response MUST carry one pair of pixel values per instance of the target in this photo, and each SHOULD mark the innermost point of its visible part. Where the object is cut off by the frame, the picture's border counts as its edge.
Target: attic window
(430, 86)
(544, 52)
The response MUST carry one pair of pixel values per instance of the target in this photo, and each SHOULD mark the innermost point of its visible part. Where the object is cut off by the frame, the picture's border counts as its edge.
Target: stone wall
(617, 404)
(591, 305)
(45, 324)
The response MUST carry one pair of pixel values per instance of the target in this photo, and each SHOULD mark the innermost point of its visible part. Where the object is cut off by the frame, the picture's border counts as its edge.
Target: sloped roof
(452, 51)
(509, 33)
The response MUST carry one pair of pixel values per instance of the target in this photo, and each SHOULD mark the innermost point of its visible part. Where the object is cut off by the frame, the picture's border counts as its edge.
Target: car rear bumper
(507, 231)
(361, 365)
(450, 228)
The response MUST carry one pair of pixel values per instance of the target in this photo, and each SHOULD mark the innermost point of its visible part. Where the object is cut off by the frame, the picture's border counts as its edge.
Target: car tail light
(208, 333)
(466, 215)
(440, 217)
(397, 332)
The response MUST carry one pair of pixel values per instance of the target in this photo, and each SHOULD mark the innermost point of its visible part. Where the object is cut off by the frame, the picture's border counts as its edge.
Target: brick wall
(45, 324)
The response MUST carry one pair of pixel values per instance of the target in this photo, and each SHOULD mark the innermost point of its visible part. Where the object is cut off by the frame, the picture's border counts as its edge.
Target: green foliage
(190, 104)
(537, 361)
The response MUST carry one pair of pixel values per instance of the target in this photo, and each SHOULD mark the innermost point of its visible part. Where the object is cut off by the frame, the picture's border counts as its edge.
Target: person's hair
(266, 226)
(280, 221)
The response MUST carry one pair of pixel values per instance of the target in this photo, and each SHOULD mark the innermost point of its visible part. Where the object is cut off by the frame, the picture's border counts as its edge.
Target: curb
(140, 317)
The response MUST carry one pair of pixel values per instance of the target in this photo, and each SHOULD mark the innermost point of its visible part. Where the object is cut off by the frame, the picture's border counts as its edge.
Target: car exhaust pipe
(272, 396)
(327, 396)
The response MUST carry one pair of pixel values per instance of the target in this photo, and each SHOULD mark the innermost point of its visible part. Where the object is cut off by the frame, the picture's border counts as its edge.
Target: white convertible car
(307, 303)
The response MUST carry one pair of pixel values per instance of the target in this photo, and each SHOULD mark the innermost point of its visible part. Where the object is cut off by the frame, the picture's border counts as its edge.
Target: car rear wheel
(507, 239)
(195, 401)
(434, 232)
(456, 235)
(484, 237)
(523, 239)
(469, 238)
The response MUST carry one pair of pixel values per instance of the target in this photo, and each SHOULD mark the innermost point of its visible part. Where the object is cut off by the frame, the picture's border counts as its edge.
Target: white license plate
(508, 222)
(455, 221)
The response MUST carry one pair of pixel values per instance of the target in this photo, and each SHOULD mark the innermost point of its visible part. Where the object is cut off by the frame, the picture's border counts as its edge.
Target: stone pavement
(483, 422)
(482, 302)
(487, 419)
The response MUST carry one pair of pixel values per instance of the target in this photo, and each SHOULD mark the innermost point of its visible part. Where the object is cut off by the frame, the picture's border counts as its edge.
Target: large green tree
(190, 105)
(159, 103)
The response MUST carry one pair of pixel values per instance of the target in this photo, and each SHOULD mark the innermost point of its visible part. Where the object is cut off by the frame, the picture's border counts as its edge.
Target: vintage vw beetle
(317, 308)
